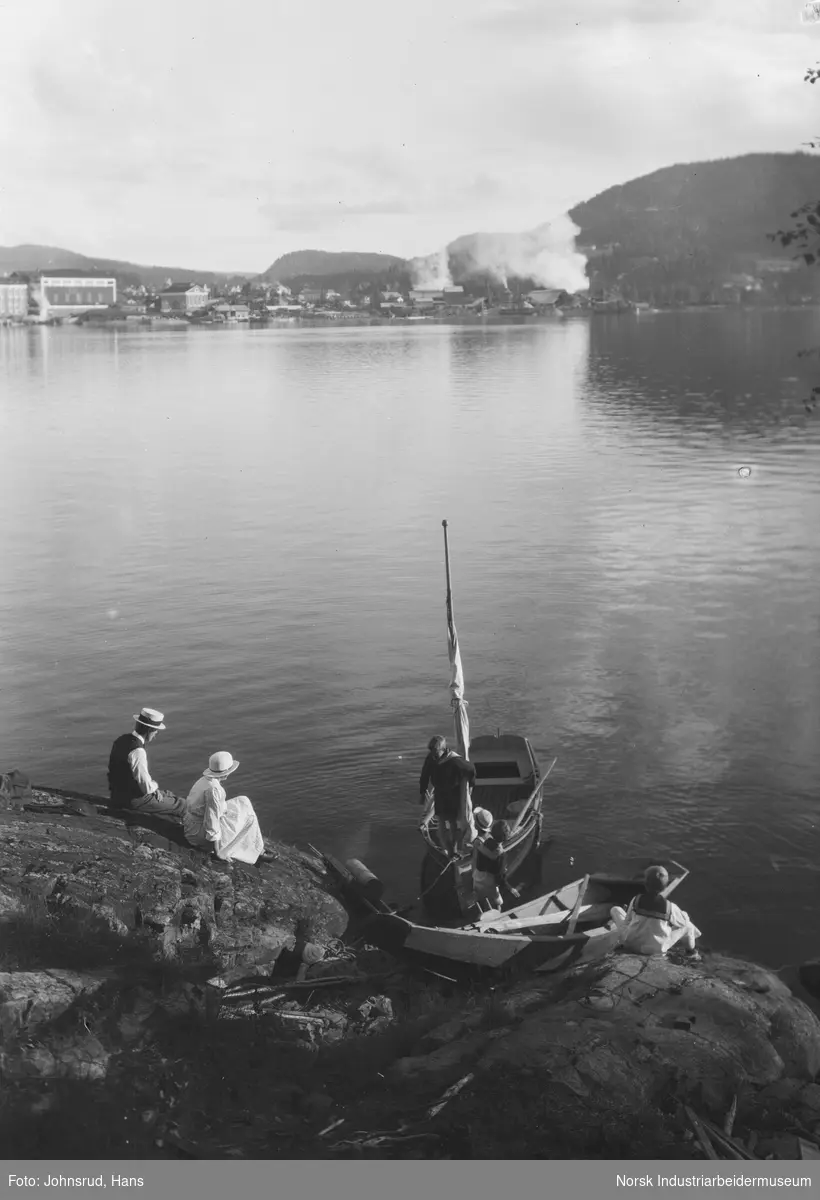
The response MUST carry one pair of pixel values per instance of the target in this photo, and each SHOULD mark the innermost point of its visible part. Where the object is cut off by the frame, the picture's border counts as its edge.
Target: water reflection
(733, 373)
(243, 527)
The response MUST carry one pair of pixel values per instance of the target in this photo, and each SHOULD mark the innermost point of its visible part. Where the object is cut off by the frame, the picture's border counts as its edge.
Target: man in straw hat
(129, 780)
(228, 827)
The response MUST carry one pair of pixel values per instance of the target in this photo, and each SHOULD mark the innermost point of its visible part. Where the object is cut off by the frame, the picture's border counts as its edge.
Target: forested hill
(323, 263)
(30, 259)
(691, 233)
(698, 227)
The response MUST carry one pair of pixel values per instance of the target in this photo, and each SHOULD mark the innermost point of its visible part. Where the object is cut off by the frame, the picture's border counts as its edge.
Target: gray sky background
(221, 135)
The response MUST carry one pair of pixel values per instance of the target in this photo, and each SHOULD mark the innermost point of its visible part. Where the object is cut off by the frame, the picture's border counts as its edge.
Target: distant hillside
(690, 233)
(319, 264)
(35, 258)
(684, 231)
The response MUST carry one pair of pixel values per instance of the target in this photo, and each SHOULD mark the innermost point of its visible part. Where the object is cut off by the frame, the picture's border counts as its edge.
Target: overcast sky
(217, 134)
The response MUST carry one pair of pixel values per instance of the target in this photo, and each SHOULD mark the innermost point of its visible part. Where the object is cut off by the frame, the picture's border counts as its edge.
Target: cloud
(179, 133)
(293, 216)
(515, 19)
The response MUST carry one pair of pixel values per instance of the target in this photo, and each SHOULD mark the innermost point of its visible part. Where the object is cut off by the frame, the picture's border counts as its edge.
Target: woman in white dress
(228, 826)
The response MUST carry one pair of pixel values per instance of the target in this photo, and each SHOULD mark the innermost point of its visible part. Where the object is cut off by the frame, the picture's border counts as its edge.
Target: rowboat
(509, 783)
(563, 928)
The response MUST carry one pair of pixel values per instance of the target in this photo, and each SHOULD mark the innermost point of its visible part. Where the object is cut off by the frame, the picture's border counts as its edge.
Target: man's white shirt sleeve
(138, 762)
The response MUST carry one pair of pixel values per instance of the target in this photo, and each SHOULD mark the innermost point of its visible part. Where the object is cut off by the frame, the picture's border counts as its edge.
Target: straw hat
(220, 765)
(150, 717)
(482, 817)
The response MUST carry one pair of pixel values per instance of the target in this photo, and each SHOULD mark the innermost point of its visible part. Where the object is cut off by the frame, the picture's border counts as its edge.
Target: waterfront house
(426, 297)
(13, 299)
(67, 290)
(183, 298)
(232, 312)
(310, 294)
(457, 298)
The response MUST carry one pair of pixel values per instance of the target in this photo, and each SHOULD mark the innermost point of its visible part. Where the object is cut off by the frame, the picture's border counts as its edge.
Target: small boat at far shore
(562, 928)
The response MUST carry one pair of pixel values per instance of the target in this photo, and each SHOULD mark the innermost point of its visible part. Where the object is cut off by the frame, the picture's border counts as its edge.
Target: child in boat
(481, 824)
(652, 924)
(490, 867)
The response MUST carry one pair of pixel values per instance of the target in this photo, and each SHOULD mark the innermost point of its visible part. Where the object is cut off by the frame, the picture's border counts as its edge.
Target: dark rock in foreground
(141, 884)
(141, 1015)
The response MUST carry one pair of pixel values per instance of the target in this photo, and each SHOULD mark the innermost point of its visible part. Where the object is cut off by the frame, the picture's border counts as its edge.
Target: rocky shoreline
(149, 1008)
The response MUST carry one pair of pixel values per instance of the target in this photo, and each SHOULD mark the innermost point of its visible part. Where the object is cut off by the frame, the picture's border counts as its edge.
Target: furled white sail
(460, 719)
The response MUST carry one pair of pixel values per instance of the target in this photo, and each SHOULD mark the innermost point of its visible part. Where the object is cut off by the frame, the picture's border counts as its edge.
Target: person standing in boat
(451, 777)
(129, 781)
(229, 827)
(490, 866)
(652, 924)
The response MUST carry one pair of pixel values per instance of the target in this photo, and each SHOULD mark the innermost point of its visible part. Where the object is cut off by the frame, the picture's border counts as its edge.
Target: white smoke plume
(433, 271)
(546, 254)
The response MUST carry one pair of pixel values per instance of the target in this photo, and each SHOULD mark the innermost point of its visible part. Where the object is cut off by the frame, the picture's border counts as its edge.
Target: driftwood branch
(700, 1133)
(448, 1095)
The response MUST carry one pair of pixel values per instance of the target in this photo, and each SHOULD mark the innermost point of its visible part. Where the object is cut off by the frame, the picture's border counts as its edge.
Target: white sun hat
(220, 765)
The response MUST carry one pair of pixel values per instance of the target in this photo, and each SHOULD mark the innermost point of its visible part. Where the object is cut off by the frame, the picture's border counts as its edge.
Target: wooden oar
(576, 908)
(531, 798)
(669, 889)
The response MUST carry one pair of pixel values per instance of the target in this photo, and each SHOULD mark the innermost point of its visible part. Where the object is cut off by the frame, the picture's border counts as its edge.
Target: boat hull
(447, 886)
(491, 951)
(565, 927)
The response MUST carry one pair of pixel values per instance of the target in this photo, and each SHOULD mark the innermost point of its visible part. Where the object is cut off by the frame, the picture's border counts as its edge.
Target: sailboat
(509, 783)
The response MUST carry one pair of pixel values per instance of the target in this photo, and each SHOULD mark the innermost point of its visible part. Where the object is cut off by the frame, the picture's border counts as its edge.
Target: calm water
(243, 528)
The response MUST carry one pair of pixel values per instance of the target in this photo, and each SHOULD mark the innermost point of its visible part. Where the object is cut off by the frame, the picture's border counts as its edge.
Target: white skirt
(239, 834)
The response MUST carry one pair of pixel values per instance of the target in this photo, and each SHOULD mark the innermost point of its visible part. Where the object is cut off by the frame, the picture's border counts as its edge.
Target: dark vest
(489, 859)
(121, 783)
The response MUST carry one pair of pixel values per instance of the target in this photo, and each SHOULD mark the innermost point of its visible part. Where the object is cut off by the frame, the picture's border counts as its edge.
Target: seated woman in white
(229, 826)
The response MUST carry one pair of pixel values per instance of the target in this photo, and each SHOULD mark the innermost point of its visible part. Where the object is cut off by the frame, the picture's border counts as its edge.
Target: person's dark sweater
(446, 775)
(651, 906)
(489, 858)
